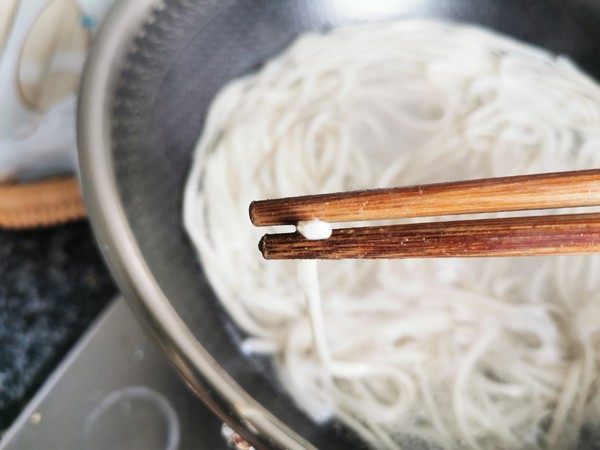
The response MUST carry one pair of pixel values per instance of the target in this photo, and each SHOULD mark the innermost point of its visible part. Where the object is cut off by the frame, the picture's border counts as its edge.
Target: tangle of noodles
(451, 353)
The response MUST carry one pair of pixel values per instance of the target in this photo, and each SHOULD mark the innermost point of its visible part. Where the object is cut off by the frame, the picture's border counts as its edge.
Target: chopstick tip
(262, 246)
(252, 212)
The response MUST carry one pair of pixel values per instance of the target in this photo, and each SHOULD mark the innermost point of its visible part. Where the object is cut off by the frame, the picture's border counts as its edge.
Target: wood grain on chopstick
(516, 236)
(540, 191)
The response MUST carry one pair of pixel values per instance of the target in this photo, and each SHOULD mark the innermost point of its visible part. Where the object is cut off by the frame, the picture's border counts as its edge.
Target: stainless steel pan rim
(204, 376)
(134, 211)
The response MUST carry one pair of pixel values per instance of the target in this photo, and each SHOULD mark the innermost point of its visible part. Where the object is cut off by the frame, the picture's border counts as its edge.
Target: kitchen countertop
(53, 283)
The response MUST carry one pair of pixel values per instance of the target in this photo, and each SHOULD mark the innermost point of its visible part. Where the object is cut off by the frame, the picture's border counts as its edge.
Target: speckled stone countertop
(53, 283)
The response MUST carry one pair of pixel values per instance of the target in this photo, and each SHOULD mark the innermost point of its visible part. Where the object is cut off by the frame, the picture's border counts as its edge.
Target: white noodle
(487, 353)
(314, 230)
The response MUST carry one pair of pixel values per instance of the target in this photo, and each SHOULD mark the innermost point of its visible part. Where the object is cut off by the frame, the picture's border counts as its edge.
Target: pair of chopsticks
(514, 236)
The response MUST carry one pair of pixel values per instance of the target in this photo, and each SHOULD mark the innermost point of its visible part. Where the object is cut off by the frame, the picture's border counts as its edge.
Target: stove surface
(115, 390)
(53, 284)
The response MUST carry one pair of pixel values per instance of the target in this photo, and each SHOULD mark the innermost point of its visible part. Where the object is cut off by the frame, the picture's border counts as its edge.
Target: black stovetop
(53, 283)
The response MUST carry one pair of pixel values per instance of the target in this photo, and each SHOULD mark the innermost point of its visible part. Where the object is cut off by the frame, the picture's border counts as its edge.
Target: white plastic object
(40, 69)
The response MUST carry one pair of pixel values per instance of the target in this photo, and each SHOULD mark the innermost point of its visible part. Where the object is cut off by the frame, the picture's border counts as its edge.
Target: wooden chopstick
(515, 236)
(517, 193)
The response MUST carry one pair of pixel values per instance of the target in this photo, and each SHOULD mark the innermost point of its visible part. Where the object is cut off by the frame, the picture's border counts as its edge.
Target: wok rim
(195, 365)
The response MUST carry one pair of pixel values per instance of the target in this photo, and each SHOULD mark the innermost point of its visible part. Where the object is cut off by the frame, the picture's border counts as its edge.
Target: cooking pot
(154, 69)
